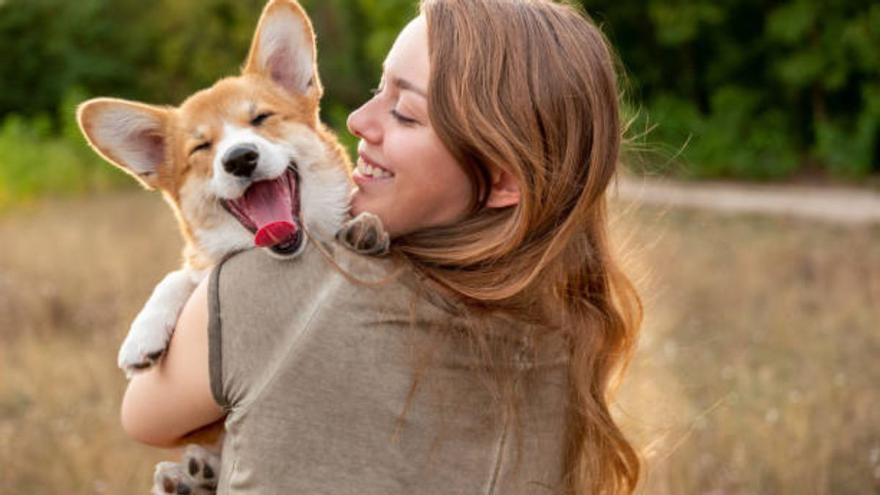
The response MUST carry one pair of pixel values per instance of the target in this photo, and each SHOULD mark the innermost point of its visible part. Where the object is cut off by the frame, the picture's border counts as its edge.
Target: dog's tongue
(268, 205)
(275, 233)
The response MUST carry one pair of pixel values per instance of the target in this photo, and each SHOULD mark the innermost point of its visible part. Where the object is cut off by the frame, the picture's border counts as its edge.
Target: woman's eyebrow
(404, 85)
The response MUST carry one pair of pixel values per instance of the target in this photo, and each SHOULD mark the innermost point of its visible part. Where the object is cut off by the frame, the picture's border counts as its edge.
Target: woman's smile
(370, 172)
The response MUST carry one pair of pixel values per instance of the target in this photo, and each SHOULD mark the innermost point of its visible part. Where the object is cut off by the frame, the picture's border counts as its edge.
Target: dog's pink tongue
(269, 206)
(274, 233)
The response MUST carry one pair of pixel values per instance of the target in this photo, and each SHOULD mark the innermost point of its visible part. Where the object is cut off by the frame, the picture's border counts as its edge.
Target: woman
(484, 366)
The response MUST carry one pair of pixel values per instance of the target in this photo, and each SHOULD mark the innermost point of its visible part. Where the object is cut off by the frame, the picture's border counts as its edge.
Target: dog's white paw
(172, 478)
(202, 465)
(146, 341)
(365, 234)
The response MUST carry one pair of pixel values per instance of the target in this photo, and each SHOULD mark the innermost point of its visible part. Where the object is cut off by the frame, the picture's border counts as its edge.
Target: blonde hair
(531, 87)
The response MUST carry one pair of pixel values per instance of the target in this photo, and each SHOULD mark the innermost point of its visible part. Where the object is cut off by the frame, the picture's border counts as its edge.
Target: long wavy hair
(530, 86)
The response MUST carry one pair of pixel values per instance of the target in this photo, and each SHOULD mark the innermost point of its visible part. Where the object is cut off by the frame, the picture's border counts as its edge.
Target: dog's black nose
(241, 160)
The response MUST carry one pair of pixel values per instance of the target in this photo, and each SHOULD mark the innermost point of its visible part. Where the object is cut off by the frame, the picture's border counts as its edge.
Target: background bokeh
(749, 89)
(758, 369)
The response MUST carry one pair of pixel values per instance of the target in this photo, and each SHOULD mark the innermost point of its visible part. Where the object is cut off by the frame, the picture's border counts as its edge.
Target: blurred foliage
(46, 155)
(755, 89)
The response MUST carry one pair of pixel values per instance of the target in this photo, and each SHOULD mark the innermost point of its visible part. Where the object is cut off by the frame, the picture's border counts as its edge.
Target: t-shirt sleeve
(257, 305)
(215, 354)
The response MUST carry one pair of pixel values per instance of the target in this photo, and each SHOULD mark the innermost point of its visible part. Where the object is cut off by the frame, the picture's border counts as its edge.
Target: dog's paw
(172, 478)
(365, 234)
(202, 465)
(145, 343)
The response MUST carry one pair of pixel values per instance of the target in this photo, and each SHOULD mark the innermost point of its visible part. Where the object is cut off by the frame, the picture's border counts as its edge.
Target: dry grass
(758, 371)
(72, 275)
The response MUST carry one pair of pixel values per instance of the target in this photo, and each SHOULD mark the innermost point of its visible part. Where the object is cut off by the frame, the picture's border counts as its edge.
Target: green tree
(754, 88)
(748, 88)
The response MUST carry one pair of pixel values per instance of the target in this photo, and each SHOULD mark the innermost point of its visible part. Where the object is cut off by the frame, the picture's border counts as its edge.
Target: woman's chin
(358, 203)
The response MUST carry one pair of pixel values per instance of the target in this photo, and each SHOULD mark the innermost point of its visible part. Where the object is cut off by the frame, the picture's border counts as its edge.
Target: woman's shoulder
(324, 267)
(318, 259)
(332, 271)
(379, 289)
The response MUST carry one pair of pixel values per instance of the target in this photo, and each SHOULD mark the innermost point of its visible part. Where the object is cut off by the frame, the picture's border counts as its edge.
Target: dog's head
(246, 161)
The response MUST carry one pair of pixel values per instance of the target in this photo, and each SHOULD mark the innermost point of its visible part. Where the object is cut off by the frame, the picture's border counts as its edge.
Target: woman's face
(404, 173)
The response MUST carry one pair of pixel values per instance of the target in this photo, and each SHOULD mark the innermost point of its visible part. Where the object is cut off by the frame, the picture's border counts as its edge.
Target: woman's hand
(166, 402)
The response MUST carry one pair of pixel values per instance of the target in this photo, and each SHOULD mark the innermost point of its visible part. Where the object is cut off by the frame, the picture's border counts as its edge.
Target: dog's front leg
(151, 329)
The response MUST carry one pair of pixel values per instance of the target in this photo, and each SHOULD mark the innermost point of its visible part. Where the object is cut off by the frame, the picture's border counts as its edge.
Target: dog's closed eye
(261, 118)
(202, 147)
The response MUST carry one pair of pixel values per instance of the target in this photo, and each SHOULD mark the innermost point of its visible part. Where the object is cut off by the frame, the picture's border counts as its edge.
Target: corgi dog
(245, 163)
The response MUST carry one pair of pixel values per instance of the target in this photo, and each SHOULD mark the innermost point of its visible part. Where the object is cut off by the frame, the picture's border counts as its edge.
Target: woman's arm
(164, 403)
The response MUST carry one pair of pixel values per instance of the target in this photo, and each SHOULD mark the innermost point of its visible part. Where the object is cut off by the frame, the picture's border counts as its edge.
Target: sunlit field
(758, 371)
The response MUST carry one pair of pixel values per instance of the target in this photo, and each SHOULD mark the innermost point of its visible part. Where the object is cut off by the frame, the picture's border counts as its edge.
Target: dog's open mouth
(270, 210)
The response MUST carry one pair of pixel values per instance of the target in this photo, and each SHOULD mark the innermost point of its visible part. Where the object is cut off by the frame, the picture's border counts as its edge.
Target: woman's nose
(363, 125)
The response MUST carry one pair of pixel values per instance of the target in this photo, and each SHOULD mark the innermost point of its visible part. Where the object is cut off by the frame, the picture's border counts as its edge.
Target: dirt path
(832, 204)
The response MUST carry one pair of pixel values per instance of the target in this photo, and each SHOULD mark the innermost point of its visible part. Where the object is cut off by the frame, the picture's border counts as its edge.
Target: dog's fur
(156, 145)
(273, 105)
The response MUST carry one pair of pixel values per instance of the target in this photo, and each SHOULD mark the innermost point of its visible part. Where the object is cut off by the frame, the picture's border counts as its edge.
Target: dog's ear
(283, 49)
(130, 135)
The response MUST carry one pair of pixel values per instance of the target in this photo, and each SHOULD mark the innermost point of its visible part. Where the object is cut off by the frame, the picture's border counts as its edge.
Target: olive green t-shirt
(315, 371)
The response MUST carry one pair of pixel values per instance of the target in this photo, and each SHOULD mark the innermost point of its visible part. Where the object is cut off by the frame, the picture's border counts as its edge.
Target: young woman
(484, 365)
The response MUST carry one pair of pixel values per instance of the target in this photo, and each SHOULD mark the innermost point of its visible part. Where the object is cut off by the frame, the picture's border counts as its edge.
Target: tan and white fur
(272, 107)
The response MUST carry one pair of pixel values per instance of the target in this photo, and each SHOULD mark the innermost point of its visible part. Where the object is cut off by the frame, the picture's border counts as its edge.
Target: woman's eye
(402, 118)
(259, 119)
(202, 147)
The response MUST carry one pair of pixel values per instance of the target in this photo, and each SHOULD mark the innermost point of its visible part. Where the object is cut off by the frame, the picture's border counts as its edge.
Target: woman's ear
(504, 190)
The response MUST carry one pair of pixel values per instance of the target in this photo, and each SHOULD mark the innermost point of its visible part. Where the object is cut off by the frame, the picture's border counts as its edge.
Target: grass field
(758, 371)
